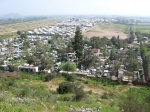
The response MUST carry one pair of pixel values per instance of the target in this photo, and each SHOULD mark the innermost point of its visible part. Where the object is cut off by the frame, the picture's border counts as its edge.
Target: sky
(75, 7)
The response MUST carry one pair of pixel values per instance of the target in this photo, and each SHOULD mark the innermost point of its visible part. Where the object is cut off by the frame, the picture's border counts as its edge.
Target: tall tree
(95, 42)
(145, 54)
(78, 43)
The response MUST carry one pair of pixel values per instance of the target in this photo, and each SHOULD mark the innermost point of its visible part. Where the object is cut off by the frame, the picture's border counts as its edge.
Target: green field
(29, 93)
(142, 29)
(123, 28)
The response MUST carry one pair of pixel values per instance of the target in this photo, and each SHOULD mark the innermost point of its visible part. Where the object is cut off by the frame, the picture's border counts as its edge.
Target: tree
(68, 66)
(112, 55)
(19, 32)
(95, 42)
(26, 45)
(104, 40)
(114, 68)
(79, 92)
(46, 62)
(114, 40)
(65, 87)
(145, 55)
(132, 63)
(78, 43)
(105, 52)
(89, 59)
(23, 36)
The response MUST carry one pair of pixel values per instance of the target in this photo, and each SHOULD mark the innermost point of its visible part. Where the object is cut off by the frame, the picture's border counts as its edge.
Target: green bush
(49, 77)
(79, 92)
(70, 77)
(86, 82)
(104, 96)
(68, 66)
(131, 104)
(7, 82)
(90, 91)
(65, 87)
(24, 92)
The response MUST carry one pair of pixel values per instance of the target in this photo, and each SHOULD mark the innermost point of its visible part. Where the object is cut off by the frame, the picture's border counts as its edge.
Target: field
(142, 29)
(108, 30)
(10, 30)
(29, 93)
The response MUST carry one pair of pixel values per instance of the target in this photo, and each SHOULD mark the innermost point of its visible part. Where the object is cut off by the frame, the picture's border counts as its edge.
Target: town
(74, 56)
(31, 51)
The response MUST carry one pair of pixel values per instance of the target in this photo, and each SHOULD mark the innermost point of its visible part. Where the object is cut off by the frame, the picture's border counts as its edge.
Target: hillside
(30, 92)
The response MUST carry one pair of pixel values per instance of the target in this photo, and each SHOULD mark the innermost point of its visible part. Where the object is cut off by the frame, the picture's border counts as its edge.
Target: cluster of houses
(12, 49)
(65, 28)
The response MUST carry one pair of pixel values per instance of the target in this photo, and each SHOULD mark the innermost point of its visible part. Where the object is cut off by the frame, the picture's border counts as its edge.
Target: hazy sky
(57, 7)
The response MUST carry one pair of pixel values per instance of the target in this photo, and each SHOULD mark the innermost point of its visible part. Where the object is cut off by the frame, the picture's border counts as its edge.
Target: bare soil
(13, 28)
(109, 32)
(53, 86)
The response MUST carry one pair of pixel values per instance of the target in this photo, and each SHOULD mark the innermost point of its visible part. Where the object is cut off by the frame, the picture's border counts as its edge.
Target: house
(96, 52)
(32, 69)
(5, 67)
(47, 70)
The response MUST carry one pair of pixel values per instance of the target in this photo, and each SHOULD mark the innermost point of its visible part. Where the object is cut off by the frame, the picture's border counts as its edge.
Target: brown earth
(53, 86)
(13, 28)
(109, 32)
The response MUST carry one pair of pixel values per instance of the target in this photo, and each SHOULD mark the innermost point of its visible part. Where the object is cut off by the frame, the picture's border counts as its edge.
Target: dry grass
(13, 28)
(105, 31)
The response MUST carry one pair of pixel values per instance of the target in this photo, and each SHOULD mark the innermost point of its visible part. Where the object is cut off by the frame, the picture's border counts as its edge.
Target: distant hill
(11, 15)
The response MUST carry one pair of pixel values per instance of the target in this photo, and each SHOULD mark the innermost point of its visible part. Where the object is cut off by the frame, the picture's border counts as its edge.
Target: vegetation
(65, 87)
(68, 66)
(78, 43)
(28, 92)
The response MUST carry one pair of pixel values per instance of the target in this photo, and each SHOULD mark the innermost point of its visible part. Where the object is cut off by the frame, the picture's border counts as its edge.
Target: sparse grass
(142, 29)
(28, 93)
(8, 35)
(7, 31)
(121, 27)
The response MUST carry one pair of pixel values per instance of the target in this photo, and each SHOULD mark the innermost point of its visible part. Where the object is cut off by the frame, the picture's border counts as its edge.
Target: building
(31, 69)
(96, 52)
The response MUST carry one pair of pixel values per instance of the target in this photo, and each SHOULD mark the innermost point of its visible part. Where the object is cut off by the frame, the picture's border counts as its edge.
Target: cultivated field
(108, 30)
(11, 29)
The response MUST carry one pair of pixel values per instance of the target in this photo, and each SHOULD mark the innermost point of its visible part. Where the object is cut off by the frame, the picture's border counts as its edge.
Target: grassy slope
(41, 96)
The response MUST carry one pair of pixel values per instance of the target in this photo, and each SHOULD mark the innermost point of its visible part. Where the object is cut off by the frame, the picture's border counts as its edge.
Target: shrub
(86, 82)
(79, 92)
(49, 77)
(7, 82)
(69, 66)
(130, 104)
(104, 96)
(24, 92)
(65, 87)
(70, 77)
(90, 91)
